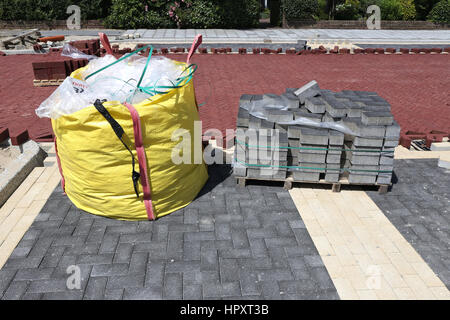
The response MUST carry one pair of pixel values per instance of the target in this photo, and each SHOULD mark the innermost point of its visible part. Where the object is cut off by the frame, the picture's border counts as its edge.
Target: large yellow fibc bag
(97, 166)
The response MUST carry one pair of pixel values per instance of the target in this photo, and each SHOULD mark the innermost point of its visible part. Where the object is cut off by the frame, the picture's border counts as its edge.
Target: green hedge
(132, 14)
(349, 10)
(126, 14)
(48, 10)
(188, 14)
(300, 9)
(440, 12)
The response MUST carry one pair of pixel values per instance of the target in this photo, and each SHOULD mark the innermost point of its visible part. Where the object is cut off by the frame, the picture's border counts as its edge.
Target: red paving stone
(417, 86)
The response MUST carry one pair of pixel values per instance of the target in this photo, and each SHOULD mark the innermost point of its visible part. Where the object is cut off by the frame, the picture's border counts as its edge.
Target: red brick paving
(417, 86)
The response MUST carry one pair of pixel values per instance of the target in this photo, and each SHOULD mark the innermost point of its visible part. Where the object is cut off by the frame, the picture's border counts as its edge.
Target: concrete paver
(368, 258)
(418, 207)
(229, 243)
(292, 35)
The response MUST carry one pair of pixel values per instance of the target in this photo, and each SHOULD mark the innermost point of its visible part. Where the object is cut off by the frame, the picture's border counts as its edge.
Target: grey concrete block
(259, 172)
(254, 122)
(365, 93)
(266, 124)
(272, 99)
(29, 156)
(259, 156)
(393, 131)
(239, 170)
(292, 161)
(280, 174)
(385, 177)
(333, 158)
(336, 108)
(363, 130)
(364, 170)
(310, 116)
(310, 89)
(294, 144)
(312, 167)
(377, 118)
(315, 105)
(328, 118)
(364, 151)
(369, 131)
(326, 91)
(354, 109)
(306, 176)
(387, 169)
(335, 137)
(360, 178)
(277, 115)
(390, 143)
(352, 123)
(281, 129)
(357, 159)
(245, 98)
(333, 172)
(291, 101)
(367, 142)
(311, 157)
(335, 149)
(242, 118)
(241, 153)
(386, 159)
(279, 155)
(313, 148)
(313, 136)
(294, 132)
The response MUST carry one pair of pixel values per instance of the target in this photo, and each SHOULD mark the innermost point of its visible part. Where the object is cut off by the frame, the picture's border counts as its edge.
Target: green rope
(117, 61)
(151, 90)
(145, 68)
(308, 148)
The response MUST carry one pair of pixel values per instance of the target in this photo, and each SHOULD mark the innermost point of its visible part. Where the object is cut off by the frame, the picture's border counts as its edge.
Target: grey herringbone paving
(419, 207)
(230, 243)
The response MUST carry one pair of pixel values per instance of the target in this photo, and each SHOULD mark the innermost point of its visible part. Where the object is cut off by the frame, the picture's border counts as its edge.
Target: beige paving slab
(404, 293)
(440, 293)
(384, 291)
(20, 210)
(367, 295)
(345, 289)
(365, 255)
(418, 286)
(401, 152)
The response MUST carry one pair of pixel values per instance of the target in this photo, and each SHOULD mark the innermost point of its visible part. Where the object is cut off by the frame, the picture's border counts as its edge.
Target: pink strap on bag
(105, 42)
(197, 42)
(138, 142)
(63, 182)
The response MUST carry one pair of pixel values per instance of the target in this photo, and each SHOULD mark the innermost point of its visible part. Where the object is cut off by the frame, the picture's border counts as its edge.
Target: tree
(440, 12)
(423, 8)
(407, 9)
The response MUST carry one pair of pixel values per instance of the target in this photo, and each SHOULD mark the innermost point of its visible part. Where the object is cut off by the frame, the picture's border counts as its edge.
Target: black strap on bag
(118, 130)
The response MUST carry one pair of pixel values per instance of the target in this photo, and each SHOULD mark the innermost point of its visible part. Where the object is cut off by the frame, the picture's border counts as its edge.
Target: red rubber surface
(417, 86)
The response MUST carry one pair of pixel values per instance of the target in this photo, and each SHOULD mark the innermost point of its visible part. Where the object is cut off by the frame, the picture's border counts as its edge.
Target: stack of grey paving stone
(269, 147)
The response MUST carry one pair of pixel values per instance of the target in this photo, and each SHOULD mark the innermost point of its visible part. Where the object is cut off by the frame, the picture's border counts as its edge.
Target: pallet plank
(335, 186)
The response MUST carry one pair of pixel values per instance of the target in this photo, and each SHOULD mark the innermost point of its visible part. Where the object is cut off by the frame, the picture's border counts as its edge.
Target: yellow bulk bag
(96, 167)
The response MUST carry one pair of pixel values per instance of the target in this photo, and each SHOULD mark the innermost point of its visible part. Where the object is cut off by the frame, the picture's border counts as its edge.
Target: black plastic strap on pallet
(118, 130)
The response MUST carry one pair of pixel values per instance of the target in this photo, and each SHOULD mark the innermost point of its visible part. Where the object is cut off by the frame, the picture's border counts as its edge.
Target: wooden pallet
(46, 83)
(335, 186)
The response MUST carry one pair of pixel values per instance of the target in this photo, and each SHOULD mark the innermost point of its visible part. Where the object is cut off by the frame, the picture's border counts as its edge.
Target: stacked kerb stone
(268, 141)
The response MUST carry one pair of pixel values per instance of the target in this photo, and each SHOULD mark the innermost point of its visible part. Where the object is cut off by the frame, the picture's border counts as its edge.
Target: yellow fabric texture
(97, 167)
